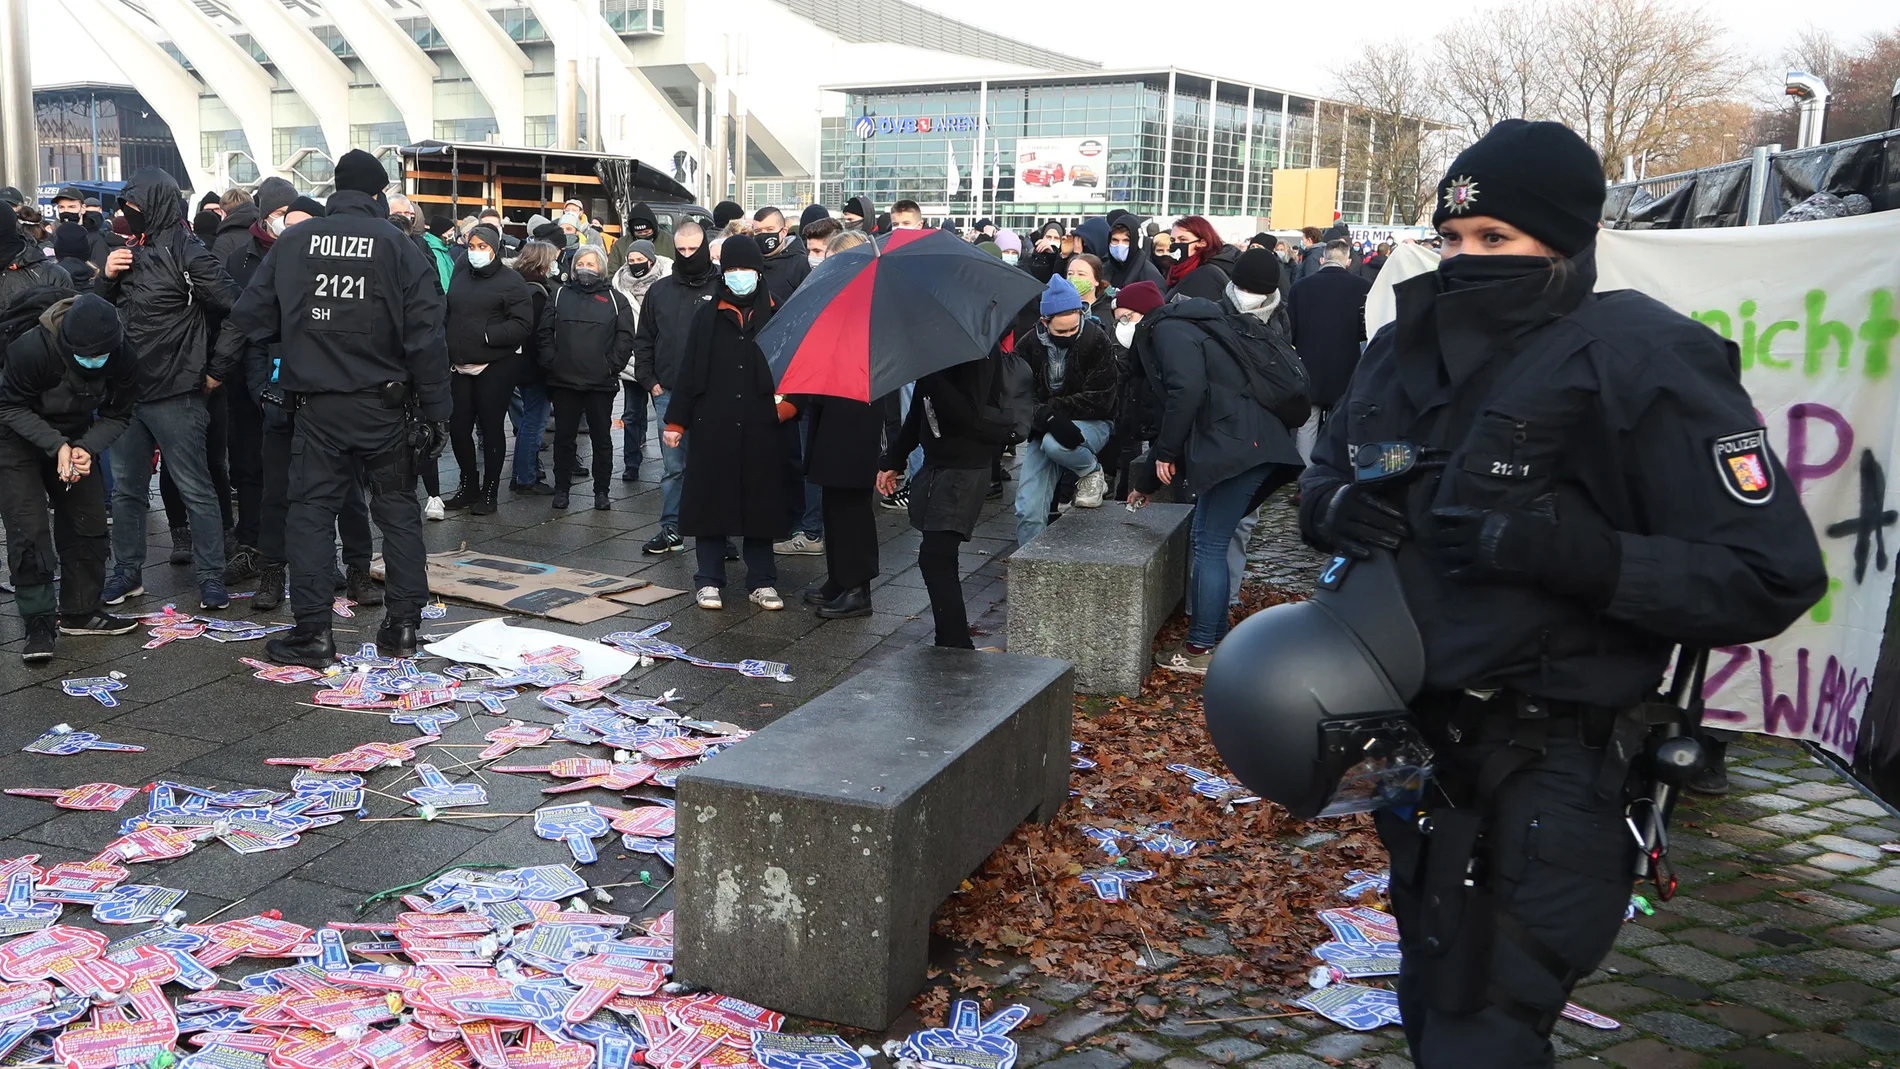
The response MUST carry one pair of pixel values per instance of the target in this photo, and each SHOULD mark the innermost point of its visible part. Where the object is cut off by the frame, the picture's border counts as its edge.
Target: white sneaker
(433, 510)
(800, 545)
(767, 598)
(1090, 489)
(708, 598)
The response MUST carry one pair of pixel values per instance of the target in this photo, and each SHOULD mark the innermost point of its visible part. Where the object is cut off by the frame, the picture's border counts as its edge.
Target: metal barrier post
(1758, 182)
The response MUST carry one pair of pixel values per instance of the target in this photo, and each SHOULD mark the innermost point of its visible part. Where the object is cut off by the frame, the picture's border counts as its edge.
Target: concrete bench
(812, 856)
(1096, 587)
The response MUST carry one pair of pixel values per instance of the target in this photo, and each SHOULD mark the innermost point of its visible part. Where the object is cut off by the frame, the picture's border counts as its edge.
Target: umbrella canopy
(869, 320)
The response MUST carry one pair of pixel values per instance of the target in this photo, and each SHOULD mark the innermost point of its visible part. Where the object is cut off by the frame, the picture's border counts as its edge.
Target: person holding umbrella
(735, 458)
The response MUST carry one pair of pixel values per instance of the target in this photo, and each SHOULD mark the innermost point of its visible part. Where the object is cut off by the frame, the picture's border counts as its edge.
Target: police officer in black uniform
(1597, 490)
(353, 308)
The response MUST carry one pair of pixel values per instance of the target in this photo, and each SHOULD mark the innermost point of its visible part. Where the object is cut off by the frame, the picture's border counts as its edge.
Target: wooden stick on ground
(1256, 1017)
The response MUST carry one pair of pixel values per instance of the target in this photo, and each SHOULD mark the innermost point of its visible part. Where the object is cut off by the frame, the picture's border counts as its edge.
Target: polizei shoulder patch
(1741, 462)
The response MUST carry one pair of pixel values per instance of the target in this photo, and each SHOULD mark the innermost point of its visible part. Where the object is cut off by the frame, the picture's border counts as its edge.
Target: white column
(1207, 174)
(491, 58)
(406, 72)
(168, 87)
(982, 146)
(240, 81)
(312, 69)
(1167, 148)
(1246, 153)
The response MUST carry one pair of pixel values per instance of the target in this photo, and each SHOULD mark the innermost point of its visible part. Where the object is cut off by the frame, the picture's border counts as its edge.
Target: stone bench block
(812, 855)
(1096, 587)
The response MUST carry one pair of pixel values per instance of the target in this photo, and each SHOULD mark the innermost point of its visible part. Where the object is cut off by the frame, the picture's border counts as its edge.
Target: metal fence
(1759, 189)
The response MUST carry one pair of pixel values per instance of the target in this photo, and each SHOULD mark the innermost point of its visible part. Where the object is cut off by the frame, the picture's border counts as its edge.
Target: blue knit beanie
(1060, 297)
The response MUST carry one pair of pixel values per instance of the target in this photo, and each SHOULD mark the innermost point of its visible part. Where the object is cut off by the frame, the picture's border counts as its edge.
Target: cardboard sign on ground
(572, 595)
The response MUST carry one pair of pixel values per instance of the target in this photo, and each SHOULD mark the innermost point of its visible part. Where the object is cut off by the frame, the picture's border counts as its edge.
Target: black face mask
(768, 243)
(1178, 253)
(643, 233)
(1464, 272)
(134, 218)
(69, 217)
(1060, 341)
(639, 270)
(93, 219)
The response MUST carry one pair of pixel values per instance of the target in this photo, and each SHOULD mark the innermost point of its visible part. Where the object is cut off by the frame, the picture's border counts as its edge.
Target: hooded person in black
(71, 243)
(168, 288)
(786, 263)
(726, 397)
(66, 395)
(856, 214)
(1128, 260)
(24, 265)
(659, 350)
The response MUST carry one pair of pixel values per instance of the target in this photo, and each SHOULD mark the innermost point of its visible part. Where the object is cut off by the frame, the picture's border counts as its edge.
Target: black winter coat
(100, 241)
(1209, 280)
(1210, 423)
(80, 271)
(490, 314)
(786, 269)
(841, 441)
(1139, 267)
(1615, 408)
(1091, 378)
(31, 270)
(962, 433)
(725, 401)
(585, 337)
(666, 319)
(234, 232)
(48, 400)
(169, 296)
(1328, 317)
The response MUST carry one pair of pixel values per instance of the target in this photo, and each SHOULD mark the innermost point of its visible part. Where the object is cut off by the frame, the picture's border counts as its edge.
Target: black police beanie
(305, 205)
(91, 326)
(725, 212)
(359, 172)
(1537, 176)
(1257, 271)
(740, 251)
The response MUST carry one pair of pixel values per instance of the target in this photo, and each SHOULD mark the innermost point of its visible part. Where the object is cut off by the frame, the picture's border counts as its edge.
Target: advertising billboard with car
(1061, 170)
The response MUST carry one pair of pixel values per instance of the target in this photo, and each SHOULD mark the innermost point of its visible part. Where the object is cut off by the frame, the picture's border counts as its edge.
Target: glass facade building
(1157, 143)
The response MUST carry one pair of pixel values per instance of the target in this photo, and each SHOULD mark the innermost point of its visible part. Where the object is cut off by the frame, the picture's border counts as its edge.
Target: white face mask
(479, 258)
(1246, 302)
(816, 258)
(1010, 258)
(275, 225)
(1125, 334)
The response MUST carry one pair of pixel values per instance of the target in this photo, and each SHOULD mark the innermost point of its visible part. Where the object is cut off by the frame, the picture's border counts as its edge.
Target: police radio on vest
(343, 246)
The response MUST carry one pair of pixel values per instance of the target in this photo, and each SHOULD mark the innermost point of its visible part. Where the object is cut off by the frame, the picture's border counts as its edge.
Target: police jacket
(585, 336)
(1091, 377)
(490, 313)
(168, 296)
(48, 400)
(666, 318)
(351, 305)
(1210, 423)
(1610, 401)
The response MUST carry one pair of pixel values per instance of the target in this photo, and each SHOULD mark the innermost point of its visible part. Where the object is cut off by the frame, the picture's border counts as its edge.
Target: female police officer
(1598, 489)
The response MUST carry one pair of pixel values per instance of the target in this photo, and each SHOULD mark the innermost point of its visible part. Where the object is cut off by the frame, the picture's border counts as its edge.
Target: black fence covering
(1719, 196)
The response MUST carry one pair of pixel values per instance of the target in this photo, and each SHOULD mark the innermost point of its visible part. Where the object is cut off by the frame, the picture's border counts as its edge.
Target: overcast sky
(1296, 46)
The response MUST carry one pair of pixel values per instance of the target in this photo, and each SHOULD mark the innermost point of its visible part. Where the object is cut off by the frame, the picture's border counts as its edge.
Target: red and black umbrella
(873, 318)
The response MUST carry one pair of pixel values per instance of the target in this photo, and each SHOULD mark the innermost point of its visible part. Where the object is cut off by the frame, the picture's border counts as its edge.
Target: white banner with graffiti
(1812, 307)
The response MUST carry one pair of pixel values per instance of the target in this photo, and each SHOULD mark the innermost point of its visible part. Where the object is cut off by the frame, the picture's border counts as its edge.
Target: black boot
(465, 495)
(361, 587)
(270, 587)
(600, 501)
(560, 497)
(821, 592)
(856, 602)
(396, 638)
(181, 545)
(41, 631)
(310, 645)
(485, 504)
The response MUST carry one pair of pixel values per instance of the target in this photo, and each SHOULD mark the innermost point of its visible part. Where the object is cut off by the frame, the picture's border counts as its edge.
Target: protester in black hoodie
(490, 314)
(23, 264)
(234, 230)
(856, 211)
(71, 245)
(167, 287)
(1127, 260)
(659, 348)
(66, 395)
(585, 339)
(786, 264)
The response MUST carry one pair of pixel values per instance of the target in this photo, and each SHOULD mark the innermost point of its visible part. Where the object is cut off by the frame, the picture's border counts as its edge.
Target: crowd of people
(1151, 351)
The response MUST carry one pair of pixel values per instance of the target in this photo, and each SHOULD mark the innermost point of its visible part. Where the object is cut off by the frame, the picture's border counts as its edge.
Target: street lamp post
(19, 135)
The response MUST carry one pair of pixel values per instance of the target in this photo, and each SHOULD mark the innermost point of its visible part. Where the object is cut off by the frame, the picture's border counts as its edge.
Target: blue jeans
(916, 458)
(633, 422)
(529, 411)
(673, 468)
(177, 427)
(1042, 460)
(1217, 513)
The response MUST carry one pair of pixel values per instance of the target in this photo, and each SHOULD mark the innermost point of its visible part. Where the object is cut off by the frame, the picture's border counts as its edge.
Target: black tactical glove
(1065, 432)
(1351, 520)
(1039, 421)
(1575, 553)
(438, 435)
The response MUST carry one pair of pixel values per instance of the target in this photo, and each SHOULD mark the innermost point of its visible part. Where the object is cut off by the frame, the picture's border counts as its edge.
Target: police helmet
(1306, 701)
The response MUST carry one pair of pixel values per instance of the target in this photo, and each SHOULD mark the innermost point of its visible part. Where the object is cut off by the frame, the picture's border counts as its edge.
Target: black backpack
(23, 313)
(1012, 397)
(1276, 378)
